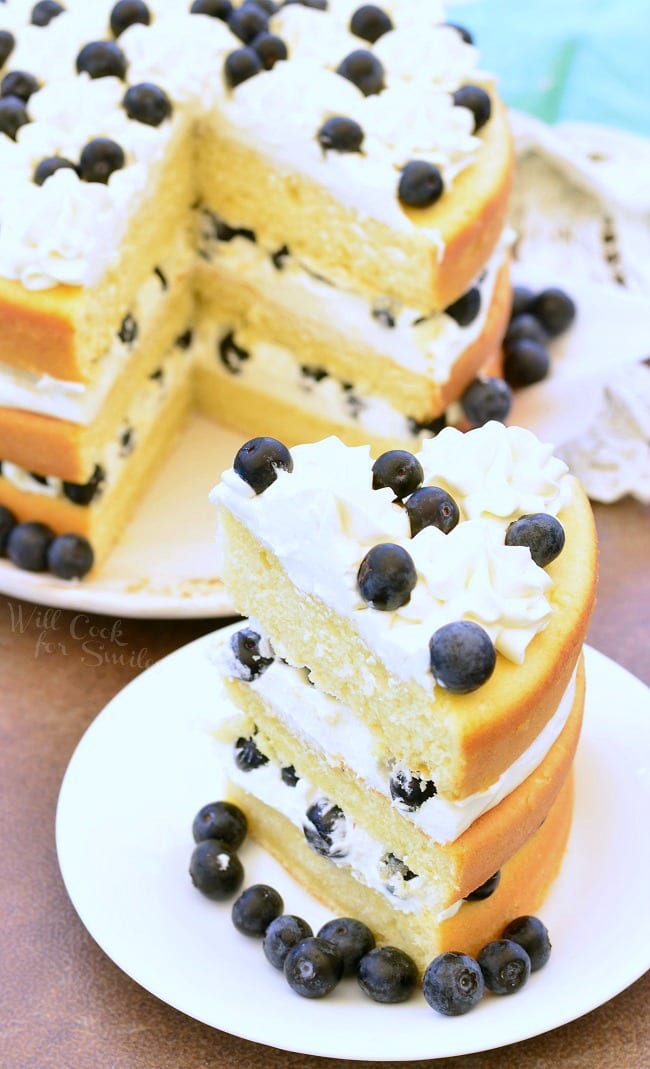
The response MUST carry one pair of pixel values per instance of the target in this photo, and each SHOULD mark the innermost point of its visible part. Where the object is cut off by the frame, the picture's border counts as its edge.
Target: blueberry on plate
(282, 935)
(487, 888)
(102, 59)
(364, 70)
(431, 506)
(340, 134)
(44, 11)
(247, 755)
(554, 309)
(505, 966)
(462, 656)
(542, 533)
(313, 967)
(7, 45)
(147, 103)
(370, 22)
(50, 165)
(525, 325)
(13, 115)
(453, 983)
(220, 820)
(486, 399)
(525, 362)
(7, 523)
(19, 84)
(216, 9)
(127, 13)
(386, 577)
(27, 545)
(387, 974)
(258, 461)
(465, 310)
(215, 869)
(248, 21)
(420, 184)
(255, 908)
(476, 100)
(70, 556)
(532, 935)
(99, 159)
(522, 299)
(245, 645)
(399, 470)
(352, 938)
(410, 789)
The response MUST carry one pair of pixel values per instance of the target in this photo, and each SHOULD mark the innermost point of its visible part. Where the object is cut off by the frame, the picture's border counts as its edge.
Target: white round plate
(123, 829)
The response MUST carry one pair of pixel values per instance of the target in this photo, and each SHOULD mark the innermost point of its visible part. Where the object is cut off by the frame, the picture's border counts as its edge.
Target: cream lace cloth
(581, 211)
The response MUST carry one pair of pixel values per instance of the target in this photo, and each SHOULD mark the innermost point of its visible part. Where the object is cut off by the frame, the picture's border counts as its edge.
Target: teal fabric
(566, 59)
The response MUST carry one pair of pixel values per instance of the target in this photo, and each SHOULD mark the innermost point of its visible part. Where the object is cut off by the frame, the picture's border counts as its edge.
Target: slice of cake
(410, 686)
(264, 208)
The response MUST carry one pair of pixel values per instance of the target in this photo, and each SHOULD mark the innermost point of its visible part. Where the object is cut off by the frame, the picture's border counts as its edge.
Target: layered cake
(292, 216)
(409, 685)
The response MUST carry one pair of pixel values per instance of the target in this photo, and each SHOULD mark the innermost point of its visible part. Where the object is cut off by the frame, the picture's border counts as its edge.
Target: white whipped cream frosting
(322, 518)
(66, 231)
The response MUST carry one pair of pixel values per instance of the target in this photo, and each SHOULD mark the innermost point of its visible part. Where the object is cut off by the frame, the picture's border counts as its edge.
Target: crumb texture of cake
(325, 222)
(408, 691)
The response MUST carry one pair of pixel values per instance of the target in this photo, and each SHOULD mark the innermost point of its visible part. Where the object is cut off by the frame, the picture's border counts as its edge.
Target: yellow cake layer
(525, 883)
(466, 740)
(454, 869)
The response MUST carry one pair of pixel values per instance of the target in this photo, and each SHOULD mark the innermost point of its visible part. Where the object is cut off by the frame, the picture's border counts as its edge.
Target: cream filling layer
(330, 730)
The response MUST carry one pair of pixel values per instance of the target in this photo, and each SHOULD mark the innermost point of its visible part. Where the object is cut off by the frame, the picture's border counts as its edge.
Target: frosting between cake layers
(322, 518)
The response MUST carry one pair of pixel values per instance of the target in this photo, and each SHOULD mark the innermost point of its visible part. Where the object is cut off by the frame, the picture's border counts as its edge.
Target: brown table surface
(65, 1005)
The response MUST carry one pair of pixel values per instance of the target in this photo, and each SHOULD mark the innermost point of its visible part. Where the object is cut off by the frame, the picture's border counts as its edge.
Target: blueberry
(255, 908)
(215, 869)
(532, 935)
(128, 331)
(353, 939)
(7, 45)
(525, 325)
(241, 65)
(410, 789)
(525, 362)
(49, 166)
(258, 460)
(462, 656)
(522, 299)
(245, 645)
(289, 776)
(282, 935)
(232, 355)
(341, 134)
(431, 506)
(505, 966)
(453, 983)
(313, 967)
(19, 84)
(99, 159)
(102, 59)
(386, 577)
(247, 755)
(420, 184)
(147, 103)
(387, 974)
(247, 21)
(487, 888)
(370, 22)
(7, 523)
(220, 820)
(216, 9)
(27, 545)
(555, 310)
(399, 470)
(325, 824)
(13, 115)
(45, 11)
(127, 13)
(486, 399)
(364, 70)
(542, 533)
(465, 310)
(476, 100)
(70, 556)
(430, 427)
(270, 48)
(462, 32)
